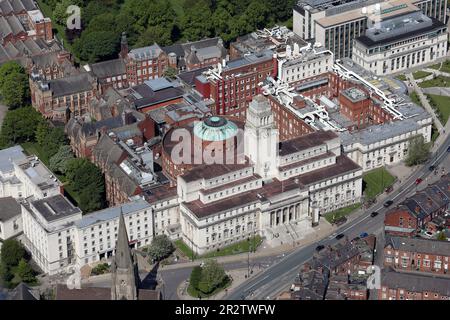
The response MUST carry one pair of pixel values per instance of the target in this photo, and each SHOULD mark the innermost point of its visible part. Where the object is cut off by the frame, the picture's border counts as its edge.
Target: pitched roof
(70, 85)
(415, 282)
(22, 292)
(89, 293)
(109, 68)
(123, 258)
(425, 246)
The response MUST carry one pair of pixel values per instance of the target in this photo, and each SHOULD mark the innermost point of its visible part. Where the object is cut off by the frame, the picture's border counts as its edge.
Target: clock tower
(261, 137)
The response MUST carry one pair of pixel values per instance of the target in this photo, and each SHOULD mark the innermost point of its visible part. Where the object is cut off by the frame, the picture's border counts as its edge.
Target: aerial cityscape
(224, 150)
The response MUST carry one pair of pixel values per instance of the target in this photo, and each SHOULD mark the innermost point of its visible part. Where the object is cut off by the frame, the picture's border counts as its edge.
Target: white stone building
(298, 64)
(60, 238)
(10, 218)
(401, 43)
(24, 176)
(278, 185)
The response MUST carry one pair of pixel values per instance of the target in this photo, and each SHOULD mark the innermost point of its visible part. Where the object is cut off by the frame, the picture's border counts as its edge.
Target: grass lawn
(401, 77)
(334, 215)
(445, 66)
(434, 133)
(33, 148)
(184, 248)
(415, 98)
(196, 293)
(420, 74)
(235, 248)
(442, 105)
(376, 181)
(439, 81)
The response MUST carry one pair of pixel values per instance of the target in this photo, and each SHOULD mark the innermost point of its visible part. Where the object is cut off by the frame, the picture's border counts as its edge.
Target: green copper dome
(215, 129)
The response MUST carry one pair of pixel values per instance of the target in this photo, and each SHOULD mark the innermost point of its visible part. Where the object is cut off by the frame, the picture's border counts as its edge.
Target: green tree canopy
(58, 163)
(19, 126)
(161, 247)
(418, 151)
(12, 252)
(24, 272)
(213, 276)
(96, 45)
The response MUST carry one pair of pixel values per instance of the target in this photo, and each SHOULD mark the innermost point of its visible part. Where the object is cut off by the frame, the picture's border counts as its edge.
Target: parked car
(340, 236)
(388, 203)
(389, 189)
(363, 235)
(432, 167)
(428, 234)
(374, 214)
(419, 180)
(448, 149)
(320, 247)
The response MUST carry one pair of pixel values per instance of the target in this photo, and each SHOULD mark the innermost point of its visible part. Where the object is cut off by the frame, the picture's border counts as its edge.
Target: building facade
(401, 43)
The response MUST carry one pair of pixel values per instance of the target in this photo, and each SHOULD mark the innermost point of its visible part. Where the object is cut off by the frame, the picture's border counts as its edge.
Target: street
(278, 277)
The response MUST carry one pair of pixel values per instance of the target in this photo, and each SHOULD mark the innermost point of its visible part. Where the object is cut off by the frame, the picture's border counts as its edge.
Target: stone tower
(261, 137)
(125, 277)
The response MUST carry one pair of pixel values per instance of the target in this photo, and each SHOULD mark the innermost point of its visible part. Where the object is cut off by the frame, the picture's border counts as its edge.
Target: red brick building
(234, 85)
(419, 255)
(414, 213)
(403, 286)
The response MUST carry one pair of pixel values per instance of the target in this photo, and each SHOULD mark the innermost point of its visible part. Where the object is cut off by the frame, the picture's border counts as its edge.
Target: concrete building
(10, 218)
(335, 24)
(24, 176)
(60, 239)
(401, 43)
(278, 184)
(300, 63)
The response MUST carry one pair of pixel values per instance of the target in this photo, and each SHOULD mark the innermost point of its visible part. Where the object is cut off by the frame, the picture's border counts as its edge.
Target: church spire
(123, 257)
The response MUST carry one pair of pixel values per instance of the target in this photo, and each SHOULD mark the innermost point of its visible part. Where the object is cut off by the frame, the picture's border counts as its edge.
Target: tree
(161, 247)
(170, 73)
(418, 151)
(60, 14)
(58, 163)
(96, 45)
(15, 90)
(54, 139)
(196, 277)
(72, 166)
(441, 236)
(213, 276)
(91, 199)
(24, 272)
(9, 68)
(42, 131)
(12, 252)
(19, 126)
(5, 274)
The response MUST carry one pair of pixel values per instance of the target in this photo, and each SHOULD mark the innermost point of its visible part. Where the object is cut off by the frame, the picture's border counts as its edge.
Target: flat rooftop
(55, 208)
(38, 173)
(112, 213)
(354, 94)
(8, 156)
(10, 208)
